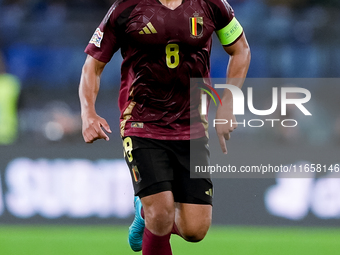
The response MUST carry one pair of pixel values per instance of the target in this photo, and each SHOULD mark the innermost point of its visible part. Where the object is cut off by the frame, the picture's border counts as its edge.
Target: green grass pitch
(100, 240)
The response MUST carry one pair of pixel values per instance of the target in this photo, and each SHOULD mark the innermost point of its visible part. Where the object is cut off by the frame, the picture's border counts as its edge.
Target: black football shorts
(164, 165)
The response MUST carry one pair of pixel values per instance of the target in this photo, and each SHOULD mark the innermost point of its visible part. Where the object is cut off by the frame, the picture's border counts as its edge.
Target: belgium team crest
(196, 26)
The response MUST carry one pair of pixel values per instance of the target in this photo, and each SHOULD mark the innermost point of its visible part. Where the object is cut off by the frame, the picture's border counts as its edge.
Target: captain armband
(230, 33)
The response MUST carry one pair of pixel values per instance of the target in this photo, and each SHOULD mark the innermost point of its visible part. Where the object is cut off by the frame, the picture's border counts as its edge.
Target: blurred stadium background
(61, 196)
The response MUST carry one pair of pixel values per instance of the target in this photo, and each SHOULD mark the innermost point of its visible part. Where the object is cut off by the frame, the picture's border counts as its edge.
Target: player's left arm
(238, 65)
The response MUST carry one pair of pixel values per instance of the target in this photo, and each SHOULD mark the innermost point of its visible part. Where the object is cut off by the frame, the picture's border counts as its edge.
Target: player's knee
(161, 215)
(194, 234)
(161, 218)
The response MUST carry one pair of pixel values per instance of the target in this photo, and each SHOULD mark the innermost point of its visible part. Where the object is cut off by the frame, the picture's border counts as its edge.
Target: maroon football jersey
(161, 49)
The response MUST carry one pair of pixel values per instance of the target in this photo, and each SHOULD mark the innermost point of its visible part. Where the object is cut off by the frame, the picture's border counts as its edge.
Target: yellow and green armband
(230, 32)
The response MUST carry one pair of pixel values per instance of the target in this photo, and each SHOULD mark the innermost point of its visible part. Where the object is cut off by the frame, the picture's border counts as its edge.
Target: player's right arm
(92, 124)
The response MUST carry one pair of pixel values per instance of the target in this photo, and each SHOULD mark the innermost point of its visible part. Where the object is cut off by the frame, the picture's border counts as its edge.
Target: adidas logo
(209, 192)
(148, 29)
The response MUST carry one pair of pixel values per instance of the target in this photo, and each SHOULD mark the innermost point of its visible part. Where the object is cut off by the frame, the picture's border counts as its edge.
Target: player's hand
(93, 128)
(223, 130)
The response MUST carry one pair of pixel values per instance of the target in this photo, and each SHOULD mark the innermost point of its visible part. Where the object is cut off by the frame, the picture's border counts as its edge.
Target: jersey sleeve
(104, 42)
(227, 27)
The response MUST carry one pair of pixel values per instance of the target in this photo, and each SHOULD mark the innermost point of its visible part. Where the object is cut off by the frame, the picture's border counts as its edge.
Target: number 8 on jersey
(172, 57)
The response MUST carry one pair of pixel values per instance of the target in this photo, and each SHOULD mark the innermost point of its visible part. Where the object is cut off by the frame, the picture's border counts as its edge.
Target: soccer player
(163, 43)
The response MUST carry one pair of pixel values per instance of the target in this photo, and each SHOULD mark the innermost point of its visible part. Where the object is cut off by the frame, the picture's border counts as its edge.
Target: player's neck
(171, 4)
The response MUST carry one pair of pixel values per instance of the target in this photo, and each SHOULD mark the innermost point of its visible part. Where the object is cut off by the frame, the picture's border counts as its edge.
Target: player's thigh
(193, 220)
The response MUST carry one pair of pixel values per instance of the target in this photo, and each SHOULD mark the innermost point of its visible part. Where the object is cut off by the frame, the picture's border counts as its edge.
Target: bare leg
(159, 211)
(193, 220)
(159, 214)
